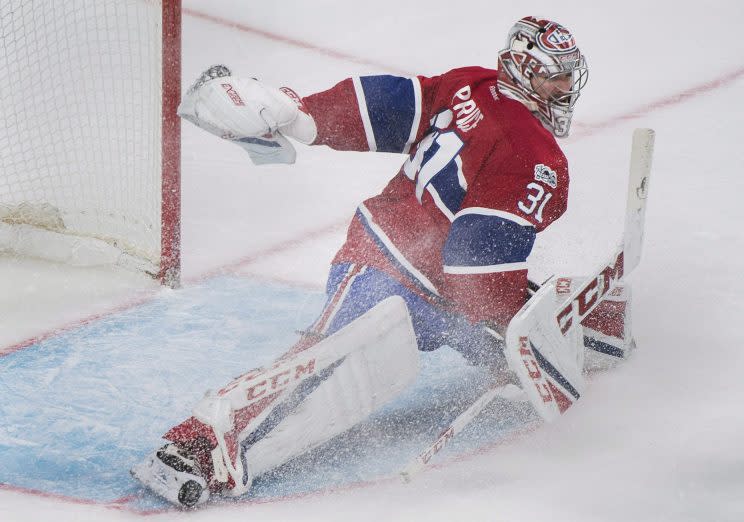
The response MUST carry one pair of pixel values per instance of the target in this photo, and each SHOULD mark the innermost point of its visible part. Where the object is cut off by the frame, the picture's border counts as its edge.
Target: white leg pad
(355, 371)
(362, 384)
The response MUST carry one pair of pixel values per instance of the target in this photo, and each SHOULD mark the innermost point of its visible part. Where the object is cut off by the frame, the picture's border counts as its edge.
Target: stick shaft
(461, 421)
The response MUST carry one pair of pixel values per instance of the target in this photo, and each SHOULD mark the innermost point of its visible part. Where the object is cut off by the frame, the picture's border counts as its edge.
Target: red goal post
(89, 139)
(170, 266)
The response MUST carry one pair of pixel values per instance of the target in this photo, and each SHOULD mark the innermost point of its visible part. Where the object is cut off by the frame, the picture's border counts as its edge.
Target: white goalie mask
(543, 68)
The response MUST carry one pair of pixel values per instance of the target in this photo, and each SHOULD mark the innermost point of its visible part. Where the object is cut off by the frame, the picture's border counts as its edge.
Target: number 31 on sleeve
(537, 197)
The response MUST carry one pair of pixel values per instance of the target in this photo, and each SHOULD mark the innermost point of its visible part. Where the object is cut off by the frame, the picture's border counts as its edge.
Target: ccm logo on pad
(258, 383)
(533, 369)
(590, 294)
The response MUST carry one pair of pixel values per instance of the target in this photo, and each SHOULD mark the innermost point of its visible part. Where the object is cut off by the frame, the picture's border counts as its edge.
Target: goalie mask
(542, 68)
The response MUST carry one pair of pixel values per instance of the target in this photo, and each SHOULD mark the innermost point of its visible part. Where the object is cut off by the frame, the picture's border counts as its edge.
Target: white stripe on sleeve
(519, 220)
(489, 269)
(364, 113)
(397, 254)
(417, 114)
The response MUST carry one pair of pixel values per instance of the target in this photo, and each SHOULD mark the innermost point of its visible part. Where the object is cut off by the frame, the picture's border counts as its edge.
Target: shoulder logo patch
(546, 175)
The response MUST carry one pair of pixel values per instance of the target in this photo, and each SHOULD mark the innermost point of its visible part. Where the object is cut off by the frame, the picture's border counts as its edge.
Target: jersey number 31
(537, 198)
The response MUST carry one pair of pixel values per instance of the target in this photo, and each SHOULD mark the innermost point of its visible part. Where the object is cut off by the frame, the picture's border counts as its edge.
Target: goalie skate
(174, 475)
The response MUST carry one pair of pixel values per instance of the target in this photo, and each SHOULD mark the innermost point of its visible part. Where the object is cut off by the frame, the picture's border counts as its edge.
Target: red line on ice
(583, 130)
(123, 503)
(333, 53)
(149, 296)
(140, 300)
(288, 244)
(589, 129)
(117, 503)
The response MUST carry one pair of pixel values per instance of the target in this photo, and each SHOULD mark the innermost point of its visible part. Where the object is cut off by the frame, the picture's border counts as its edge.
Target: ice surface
(80, 408)
(658, 439)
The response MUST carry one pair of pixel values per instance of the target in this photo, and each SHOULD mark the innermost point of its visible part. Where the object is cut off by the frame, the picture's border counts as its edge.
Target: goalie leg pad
(361, 383)
(270, 415)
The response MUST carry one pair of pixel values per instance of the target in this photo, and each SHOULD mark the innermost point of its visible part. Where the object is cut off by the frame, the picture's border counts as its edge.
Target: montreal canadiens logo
(556, 39)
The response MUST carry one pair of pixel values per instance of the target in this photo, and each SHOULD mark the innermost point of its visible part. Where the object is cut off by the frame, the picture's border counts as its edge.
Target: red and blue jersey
(482, 178)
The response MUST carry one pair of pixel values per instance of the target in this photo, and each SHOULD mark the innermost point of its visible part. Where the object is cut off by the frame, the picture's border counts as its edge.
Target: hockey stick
(574, 308)
(417, 465)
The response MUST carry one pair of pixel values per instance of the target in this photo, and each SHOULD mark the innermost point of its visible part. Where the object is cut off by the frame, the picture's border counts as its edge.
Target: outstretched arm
(368, 113)
(373, 113)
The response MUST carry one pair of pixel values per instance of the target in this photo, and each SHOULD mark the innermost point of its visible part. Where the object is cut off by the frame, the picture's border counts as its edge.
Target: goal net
(89, 139)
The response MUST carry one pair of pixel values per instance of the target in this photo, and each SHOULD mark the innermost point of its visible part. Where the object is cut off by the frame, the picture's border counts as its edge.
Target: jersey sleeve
(490, 238)
(373, 113)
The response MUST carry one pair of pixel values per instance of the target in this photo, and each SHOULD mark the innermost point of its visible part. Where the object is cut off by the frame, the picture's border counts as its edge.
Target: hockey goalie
(438, 258)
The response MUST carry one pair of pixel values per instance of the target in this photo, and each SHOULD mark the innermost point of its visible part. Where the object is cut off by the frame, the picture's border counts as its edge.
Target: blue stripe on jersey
(391, 106)
(447, 185)
(484, 240)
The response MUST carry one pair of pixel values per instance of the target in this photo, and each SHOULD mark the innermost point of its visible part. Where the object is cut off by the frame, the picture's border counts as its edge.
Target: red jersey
(482, 177)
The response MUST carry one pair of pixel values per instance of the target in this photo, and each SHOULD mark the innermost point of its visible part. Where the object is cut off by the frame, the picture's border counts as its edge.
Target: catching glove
(254, 115)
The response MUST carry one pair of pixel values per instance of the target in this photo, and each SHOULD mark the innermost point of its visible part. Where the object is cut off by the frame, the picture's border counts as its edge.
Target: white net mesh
(80, 136)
